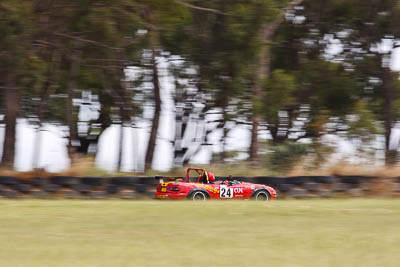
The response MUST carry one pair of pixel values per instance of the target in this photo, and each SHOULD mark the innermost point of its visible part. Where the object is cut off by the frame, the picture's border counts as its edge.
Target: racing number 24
(225, 192)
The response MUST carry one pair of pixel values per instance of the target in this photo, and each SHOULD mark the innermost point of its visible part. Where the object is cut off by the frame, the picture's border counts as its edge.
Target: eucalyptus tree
(222, 42)
(22, 71)
(158, 18)
(266, 35)
(87, 45)
(358, 36)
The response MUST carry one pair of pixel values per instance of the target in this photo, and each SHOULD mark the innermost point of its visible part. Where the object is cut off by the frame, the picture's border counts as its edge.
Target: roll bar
(199, 171)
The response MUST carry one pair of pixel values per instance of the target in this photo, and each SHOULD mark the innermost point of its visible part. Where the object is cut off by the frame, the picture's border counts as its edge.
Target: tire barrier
(135, 187)
(396, 187)
(284, 188)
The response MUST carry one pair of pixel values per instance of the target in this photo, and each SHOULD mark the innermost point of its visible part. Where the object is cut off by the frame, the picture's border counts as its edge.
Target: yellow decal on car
(210, 188)
(164, 186)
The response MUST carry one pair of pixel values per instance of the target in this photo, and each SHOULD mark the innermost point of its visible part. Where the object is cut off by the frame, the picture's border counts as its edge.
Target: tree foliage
(300, 69)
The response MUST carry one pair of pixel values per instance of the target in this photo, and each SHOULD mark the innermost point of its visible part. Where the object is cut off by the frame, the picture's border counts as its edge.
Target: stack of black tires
(144, 187)
(78, 187)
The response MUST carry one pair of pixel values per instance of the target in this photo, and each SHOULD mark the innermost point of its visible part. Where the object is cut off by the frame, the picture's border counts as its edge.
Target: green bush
(285, 155)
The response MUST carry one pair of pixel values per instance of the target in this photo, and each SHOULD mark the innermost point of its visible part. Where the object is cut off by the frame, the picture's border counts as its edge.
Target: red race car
(205, 187)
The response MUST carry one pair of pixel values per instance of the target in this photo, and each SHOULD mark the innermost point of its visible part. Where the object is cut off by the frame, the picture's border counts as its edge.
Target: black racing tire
(82, 188)
(198, 196)
(98, 194)
(38, 181)
(23, 188)
(39, 193)
(270, 180)
(9, 193)
(112, 189)
(284, 187)
(8, 180)
(312, 187)
(340, 187)
(147, 180)
(261, 195)
(64, 181)
(93, 181)
(50, 188)
(323, 179)
(124, 181)
(71, 194)
(141, 188)
(297, 180)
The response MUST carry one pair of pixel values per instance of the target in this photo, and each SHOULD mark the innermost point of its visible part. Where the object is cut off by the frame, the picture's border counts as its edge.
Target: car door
(228, 191)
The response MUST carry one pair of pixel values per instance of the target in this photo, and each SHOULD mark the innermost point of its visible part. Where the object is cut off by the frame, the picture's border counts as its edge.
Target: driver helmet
(211, 177)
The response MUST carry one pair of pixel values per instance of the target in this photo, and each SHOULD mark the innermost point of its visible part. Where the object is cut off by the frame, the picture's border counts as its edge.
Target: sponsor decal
(238, 190)
(209, 188)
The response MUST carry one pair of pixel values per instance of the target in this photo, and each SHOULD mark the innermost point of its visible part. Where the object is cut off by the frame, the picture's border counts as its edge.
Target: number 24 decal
(225, 192)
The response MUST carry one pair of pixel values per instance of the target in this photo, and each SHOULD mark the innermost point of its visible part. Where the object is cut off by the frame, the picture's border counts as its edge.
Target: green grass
(344, 232)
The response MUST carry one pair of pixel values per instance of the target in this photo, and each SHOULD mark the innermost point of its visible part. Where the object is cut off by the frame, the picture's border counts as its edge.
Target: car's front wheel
(198, 196)
(262, 195)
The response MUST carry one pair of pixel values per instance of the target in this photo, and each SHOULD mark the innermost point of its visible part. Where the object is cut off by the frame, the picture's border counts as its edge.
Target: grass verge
(345, 232)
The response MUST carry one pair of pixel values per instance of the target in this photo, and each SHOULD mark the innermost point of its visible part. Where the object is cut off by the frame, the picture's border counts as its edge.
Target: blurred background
(136, 85)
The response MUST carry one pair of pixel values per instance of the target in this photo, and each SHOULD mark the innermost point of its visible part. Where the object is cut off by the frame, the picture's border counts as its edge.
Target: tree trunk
(121, 147)
(254, 138)
(390, 153)
(262, 74)
(106, 103)
(154, 127)
(223, 154)
(12, 106)
(71, 87)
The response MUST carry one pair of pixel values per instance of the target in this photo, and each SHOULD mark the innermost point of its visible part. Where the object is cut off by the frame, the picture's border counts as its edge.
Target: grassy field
(345, 232)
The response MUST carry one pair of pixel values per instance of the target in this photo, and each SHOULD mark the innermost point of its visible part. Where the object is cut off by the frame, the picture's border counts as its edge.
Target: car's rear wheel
(262, 195)
(198, 196)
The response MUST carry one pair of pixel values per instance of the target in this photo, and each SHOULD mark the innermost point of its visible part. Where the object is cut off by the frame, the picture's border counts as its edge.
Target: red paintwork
(241, 190)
